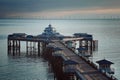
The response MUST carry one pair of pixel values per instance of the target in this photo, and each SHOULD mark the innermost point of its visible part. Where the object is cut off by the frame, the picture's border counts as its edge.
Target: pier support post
(39, 53)
(9, 46)
(34, 48)
(43, 47)
(91, 45)
(26, 47)
(71, 76)
(17, 47)
(95, 45)
(86, 44)
(31, 48)
(13, 47)
(80, 43)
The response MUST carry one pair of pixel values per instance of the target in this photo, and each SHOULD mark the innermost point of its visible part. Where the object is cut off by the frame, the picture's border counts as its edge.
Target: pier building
(60, 52)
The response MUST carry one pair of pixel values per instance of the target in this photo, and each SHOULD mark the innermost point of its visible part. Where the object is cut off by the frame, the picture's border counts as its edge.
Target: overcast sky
(59, 8)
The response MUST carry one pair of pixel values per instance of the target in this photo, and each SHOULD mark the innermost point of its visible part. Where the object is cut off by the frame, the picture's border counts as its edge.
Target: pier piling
(58, 51)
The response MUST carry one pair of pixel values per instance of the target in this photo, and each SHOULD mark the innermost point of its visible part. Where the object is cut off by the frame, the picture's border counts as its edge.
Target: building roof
(50, 46)
(80, 49)
(57, 49)
(48, 41)
(70, 62)
(85, 35)
(69, 69)
(104, 61)
(82, 34)
(50, 32)
(60, 55)
(17, 35)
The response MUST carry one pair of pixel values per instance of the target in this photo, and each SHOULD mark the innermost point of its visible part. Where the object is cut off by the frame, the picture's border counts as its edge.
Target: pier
(33, 45)
(66, 61)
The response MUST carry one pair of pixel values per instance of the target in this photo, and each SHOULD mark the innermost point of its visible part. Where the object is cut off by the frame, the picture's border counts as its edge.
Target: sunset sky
(59, 8)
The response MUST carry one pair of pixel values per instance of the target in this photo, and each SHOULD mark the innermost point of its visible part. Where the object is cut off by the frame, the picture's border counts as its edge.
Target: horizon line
(112, 18)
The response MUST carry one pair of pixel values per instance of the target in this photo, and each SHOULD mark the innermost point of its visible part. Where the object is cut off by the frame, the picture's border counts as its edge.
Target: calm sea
(107, 32)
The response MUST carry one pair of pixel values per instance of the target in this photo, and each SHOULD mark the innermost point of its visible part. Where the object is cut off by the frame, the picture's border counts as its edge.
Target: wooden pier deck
(66, 64)
(85, 69)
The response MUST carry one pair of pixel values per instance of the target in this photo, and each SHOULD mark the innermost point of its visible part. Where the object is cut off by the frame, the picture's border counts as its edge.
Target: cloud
(68, 13)
(39, 7)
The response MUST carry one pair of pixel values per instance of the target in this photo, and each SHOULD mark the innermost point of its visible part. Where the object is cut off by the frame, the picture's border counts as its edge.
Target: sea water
(107, 32)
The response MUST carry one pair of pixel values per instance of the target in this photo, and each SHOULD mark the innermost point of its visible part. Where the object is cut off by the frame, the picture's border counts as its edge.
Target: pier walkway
(83, 68)
(59, 51)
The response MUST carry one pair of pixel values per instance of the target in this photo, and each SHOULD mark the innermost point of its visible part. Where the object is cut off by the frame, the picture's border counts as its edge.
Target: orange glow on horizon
(56, 14)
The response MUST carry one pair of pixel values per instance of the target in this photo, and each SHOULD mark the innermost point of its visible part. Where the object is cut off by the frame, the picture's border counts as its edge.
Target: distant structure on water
(50, 33)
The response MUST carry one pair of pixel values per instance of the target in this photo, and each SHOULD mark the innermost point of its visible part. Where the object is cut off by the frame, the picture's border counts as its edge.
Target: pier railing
(108, 74)
(51, 53)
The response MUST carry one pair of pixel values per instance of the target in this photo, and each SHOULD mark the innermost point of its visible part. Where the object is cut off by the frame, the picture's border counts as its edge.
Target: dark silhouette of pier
(61, 54)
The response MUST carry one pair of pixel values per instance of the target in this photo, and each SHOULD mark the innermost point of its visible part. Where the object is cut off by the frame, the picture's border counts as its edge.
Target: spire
(49, 25)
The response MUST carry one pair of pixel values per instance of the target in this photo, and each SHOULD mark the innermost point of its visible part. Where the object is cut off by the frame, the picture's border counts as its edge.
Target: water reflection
(25, 68)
